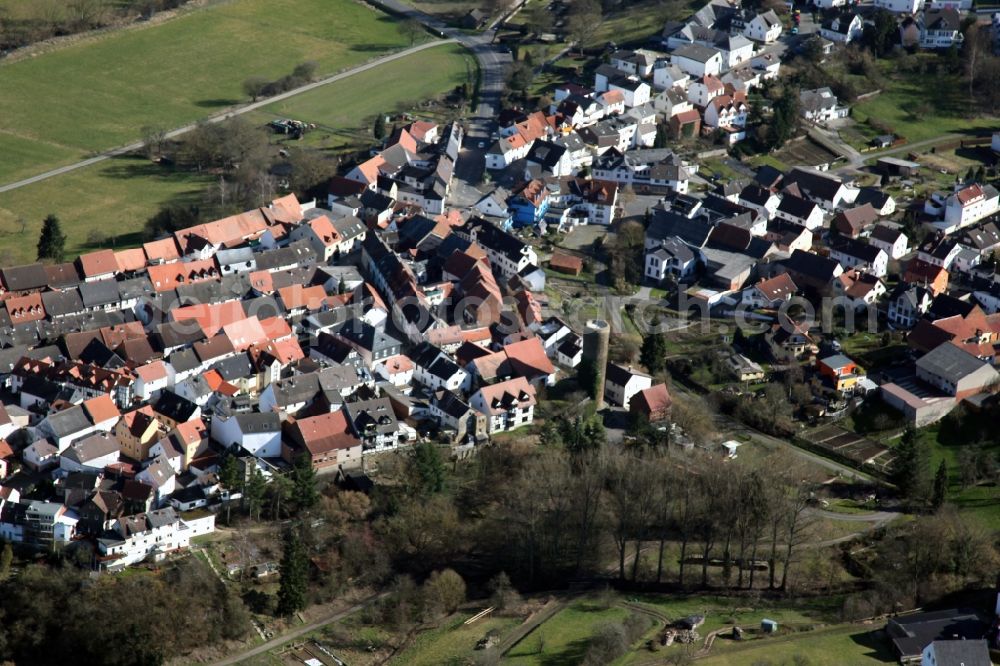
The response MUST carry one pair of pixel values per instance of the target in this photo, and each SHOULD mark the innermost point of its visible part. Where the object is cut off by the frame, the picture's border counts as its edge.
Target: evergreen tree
(292, 592)
(52, 241)
(940, 486)
(231, 478)
(654, 350)
(586, 377)
(662, 139)
(428, 468)
(909, 466)
(6, 557)
(255, 491)
(378, 130)
(304, 493)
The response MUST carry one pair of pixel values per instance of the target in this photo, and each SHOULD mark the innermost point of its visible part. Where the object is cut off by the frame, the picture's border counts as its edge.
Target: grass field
(564, 637)
(116, 197)
(100, 92)
(119, 195)
(452, 643)
(345, 116)
(920, 106)
(849, 645)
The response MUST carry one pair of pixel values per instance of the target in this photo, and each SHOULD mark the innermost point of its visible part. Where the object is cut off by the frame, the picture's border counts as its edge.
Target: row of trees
(59, 615)
(256, 87)
(27, 23)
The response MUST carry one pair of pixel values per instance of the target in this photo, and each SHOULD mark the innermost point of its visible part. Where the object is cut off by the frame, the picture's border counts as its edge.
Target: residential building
(621, 383)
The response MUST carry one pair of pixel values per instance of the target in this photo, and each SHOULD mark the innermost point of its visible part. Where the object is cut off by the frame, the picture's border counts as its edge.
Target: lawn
(923, 106)
(564, 637)
(119, 195)
(452, 643)
(345, 115)
(848, 645)
(636, 24)
(115, 197)
(100, 92)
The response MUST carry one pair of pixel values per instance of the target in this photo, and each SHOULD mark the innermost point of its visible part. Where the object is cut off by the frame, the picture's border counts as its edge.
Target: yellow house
(137, 431)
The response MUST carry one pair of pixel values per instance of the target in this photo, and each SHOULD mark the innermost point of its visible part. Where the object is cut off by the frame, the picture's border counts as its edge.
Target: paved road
(492, 71)
(114, 152)
(301, 631)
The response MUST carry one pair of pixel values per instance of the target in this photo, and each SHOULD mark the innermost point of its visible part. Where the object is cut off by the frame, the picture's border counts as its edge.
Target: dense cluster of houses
(286, 332)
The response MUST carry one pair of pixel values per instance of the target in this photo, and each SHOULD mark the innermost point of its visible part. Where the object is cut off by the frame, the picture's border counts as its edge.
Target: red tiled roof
(245, 333)
(152, 372)
(97, 263)
(170, 276)
(211, 317)
(297, 296)
(566, 263)
(102, 408)
(528, 357)
(515, 391)
(133, 259)
(24, 309)
(161, 250)
(325, 433)
(969, 194)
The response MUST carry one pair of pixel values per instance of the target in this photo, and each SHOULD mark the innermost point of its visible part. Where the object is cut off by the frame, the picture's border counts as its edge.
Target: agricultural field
(344, 117)
(99, 93)
(114, 197)
(119, 195)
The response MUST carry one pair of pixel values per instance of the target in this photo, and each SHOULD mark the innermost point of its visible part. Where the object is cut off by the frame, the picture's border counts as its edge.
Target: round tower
(596, 336)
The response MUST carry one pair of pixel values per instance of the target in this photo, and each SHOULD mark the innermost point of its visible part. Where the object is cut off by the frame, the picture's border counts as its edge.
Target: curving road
(122, 150)
(492, 64)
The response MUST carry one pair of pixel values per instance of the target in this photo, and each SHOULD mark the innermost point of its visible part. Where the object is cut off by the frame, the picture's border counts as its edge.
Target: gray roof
(99, 293)
(236, 256)
(371, 416)
(91, 448)
(68, 421)
(949, 362)
(696, 52)
(59, 303)
(962, 653)
(259, 422)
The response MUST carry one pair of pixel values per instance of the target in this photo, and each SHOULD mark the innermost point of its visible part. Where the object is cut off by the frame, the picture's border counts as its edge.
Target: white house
(635, 91)
(436, 370)
(726, 111)
(257, 433)
(956, 651)
(698, 61)
(829, 4)
(842, 29)
(820, 105)
(152, 534)
(891, 239)
(908, 304)
(770, 293)
(799, 211)
(900, 6)
(857, 254)
(508, 405)
(968, 206)
(670, 76)
(92, 453)
(152, 378)
(705, 89)
(672, 257)
(764, 27)
(940, 28)
(622, 383)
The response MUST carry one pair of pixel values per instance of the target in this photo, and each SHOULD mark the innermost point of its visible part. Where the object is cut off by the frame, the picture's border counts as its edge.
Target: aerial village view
(478, 332)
